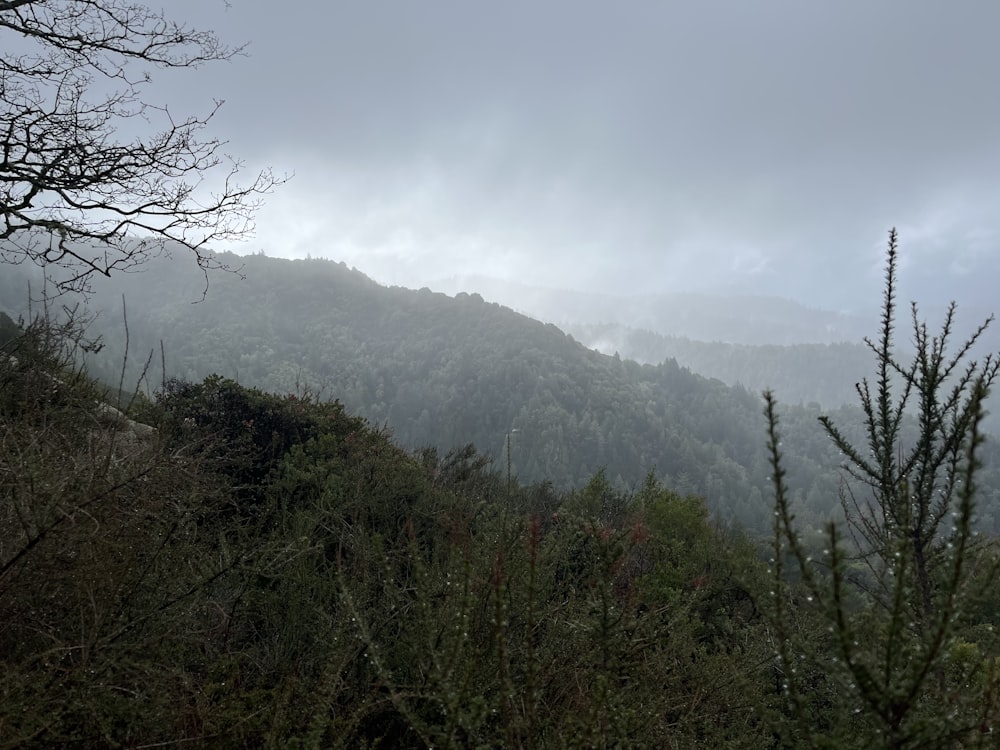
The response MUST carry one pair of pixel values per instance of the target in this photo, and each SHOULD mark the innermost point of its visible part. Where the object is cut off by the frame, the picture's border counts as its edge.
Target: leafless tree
(78, 192)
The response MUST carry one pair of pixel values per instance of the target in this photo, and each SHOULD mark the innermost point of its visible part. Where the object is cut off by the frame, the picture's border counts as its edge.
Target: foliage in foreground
(266, 571)
(910, 659)
(270, 571)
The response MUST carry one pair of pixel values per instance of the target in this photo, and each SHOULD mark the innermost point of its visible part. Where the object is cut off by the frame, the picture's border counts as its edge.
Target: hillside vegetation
(272, 571)
(444, 372)
(267, 570)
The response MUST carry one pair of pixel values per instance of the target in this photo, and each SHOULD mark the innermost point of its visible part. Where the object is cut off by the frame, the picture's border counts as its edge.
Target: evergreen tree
(902, 666)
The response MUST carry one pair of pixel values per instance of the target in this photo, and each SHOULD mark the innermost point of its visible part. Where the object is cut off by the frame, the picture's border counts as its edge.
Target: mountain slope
(443, 372)
(800, 373)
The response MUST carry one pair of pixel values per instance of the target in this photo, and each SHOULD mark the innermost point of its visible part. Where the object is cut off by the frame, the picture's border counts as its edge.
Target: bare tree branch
(74, 193)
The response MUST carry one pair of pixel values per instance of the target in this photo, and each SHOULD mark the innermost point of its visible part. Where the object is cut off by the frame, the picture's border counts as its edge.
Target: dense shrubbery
(270, 571)
(441, 371)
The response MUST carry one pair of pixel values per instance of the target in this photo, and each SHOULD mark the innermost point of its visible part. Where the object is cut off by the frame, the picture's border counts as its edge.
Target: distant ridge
(441, 372)
(742, 319)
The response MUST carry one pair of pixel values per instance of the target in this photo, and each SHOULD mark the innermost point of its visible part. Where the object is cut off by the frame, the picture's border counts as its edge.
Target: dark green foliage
(9, 329)
(104, 570)
(270, 571)
(250, 431)
(562, 631)
(445, 372)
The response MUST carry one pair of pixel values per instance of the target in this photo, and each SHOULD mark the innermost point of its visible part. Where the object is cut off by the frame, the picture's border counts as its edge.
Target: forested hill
(443, 372)
(824, 373)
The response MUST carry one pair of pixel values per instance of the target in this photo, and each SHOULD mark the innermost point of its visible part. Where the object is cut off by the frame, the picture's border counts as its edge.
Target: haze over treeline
(723, 148)
(742, 319)
(447, 371)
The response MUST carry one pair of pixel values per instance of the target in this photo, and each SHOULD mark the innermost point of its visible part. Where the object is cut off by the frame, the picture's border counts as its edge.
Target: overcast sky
(750, 146)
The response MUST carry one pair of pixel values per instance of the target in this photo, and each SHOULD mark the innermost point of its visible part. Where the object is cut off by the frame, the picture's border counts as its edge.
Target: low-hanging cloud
(742, 146)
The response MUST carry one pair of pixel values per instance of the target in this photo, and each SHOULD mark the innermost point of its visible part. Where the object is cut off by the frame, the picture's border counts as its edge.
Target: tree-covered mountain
(443, 372)
(824, 374)
(260, 570)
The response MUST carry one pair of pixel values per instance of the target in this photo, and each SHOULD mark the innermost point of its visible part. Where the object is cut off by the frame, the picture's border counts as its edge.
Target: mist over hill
(442, 372)
(824, 374)
(806, 355)
(741, 319)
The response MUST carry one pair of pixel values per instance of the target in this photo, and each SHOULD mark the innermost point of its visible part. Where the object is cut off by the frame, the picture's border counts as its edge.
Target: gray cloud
(763, 146)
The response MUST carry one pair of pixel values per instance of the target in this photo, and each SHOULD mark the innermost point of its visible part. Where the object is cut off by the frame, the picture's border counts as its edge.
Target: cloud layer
(763, 147)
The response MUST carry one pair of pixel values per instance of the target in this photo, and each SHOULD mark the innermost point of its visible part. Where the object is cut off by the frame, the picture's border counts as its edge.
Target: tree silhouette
(76, 192)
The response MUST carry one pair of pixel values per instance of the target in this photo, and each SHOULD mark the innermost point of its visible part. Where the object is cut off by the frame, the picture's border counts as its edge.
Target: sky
(749, 146)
